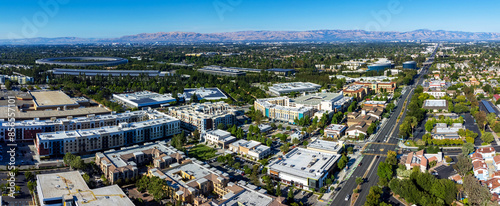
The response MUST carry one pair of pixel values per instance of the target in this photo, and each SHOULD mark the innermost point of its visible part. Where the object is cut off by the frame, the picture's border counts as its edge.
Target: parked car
(347, 197)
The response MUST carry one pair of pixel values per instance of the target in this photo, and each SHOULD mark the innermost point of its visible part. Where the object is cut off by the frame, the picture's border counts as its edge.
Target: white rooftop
(305, 163)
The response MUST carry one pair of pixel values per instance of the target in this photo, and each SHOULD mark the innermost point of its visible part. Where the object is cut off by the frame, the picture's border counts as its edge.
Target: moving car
(347, 197)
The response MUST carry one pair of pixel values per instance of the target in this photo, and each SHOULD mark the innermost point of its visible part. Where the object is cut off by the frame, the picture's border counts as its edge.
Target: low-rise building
(304, 168)
(299, 87)
(436, 94)
(125, 163)
(361, 128)
(145, 99)
(442, 131)
(421, 160)
(436, 104)
(218, 137)
(335, 130)
(204, 116)
(326, 146)
(222, 71)
(279, 108)
(204, 93)
(252, 149)
(69, 188)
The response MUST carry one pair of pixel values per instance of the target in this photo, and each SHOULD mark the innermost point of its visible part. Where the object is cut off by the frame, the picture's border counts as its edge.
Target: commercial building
(436, 94)
(360, 128)
(251, 197)
(410, 65)
(319, 101)
(252, 149)
(299, 87)
(69, 188)
(279, 108)
(145, 99)
(21, 79)
(107, 73)
(358, 92)
(204, 93)
(218, 137)
(125, 163)
(435, 104)
(222, 71)
(442, 131)
(326, 146)
(44, 100)
(107, 137)
(335, 130)
(204, 116)
(304, 168)
(381, 65)
(26, 130)
(83, 61)
(282, 72)
(378, 87)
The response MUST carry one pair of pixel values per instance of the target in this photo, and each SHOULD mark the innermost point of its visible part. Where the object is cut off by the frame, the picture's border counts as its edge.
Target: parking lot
(24, 156)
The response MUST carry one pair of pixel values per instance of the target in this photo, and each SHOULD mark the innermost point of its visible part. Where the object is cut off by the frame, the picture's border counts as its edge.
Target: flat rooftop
(52, 98)
(47, 114)
(294, 86)
(115, 156)
(317, 98)
(71, 184)
(249, 197)
(326, 145)
(205, 93)
(305, 163)
(336, 127)
(435, 103)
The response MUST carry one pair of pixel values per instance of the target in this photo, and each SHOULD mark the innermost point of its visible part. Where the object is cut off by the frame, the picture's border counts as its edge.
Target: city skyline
(111, 19)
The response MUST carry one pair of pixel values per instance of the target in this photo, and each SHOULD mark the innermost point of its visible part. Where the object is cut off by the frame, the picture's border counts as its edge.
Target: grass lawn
(202, 152)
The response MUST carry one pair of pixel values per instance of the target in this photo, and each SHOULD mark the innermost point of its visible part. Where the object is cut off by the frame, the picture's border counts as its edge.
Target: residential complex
(26, 130)
(299, 87)
(303, 168)
(279, 108)
(126, 162)
(69, 188)
(204, 116)
(107, 137)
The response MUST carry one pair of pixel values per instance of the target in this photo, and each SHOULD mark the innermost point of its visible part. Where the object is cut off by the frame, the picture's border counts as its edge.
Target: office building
(319, 101)
(204, 116)
(218, 137)
(251, 149)
(204, 93)
(326, 146)
(410, 65)
(145, 99)
(304, 168)
(381, 65)
(54, 100)
(221, 71)
(106, 73)
(69, 188)
(335, 130)
(435, 104)
(282, 72)
(298, 87)
(442, 131)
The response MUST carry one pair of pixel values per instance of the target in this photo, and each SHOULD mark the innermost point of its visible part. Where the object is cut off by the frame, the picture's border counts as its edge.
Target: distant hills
(291, 36)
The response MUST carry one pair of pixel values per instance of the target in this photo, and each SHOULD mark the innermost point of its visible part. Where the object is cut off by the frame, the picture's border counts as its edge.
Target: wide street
(377, 150)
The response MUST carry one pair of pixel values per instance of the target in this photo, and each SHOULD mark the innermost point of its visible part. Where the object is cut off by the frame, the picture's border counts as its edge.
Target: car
(347, 197)
(360, 164)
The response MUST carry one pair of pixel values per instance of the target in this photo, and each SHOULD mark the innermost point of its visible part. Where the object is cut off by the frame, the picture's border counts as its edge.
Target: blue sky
(114, 18)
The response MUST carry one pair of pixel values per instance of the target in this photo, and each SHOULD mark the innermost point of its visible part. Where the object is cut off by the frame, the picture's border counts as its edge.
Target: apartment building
(252, 149)
(108, 137)
(126, 162)
(204, 116)
(279, 108)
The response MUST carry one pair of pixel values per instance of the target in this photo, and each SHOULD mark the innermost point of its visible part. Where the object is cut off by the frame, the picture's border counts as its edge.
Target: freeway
(375, 152)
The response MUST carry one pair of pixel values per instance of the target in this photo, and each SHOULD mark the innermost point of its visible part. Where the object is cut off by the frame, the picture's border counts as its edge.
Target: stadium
(83, 61)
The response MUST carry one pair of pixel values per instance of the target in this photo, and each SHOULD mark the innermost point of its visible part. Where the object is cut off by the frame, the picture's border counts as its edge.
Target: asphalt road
(378, 148)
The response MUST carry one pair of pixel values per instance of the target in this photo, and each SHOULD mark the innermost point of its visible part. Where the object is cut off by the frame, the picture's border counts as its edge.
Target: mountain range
(271, 36)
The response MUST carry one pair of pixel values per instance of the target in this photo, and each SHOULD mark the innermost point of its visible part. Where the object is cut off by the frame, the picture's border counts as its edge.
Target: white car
(347, 197)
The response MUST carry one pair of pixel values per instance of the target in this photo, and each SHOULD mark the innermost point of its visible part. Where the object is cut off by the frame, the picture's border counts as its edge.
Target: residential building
(96, 139)
(125, 163)
(379, 87)
(319, 101)
(218, 137)
(358, 129)
(335, 130)
(303, 168)
(279, 108)
(486, 152)
(69, 188)
(252, 149)
(249, 197)
(204, 116)
(358, 92)
(421, 160)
